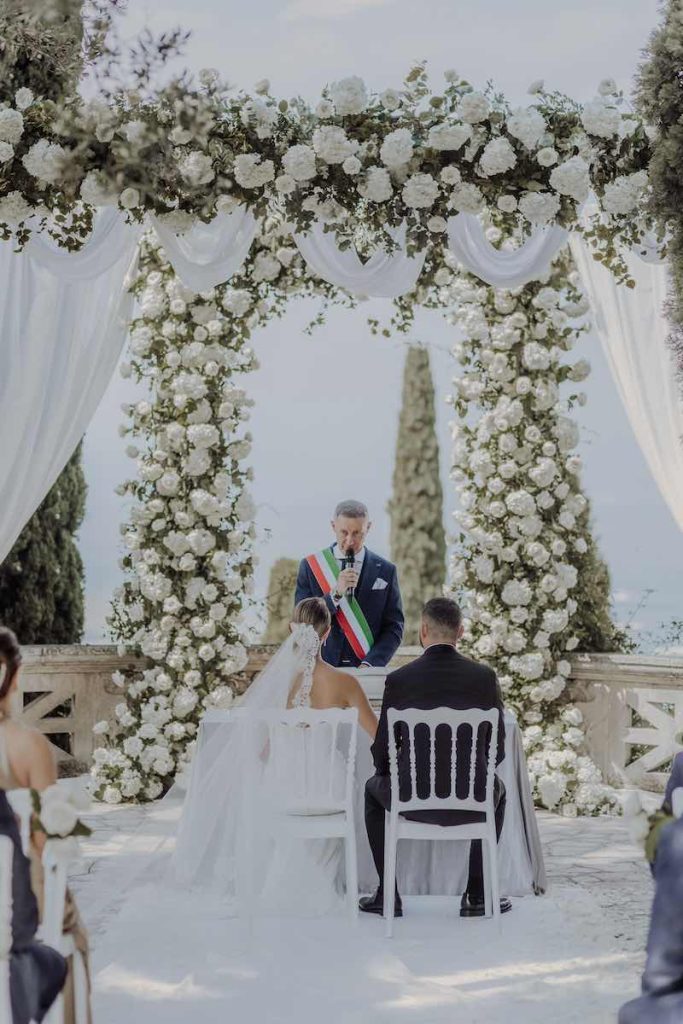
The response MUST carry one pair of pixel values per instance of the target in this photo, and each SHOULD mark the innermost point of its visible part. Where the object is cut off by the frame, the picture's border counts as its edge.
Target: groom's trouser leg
(377, 802)
(475, 882)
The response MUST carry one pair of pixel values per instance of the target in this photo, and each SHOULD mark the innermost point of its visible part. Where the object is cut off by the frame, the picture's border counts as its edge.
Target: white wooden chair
(314, 805)
(398, 827)
(55, 870)
(6, 859)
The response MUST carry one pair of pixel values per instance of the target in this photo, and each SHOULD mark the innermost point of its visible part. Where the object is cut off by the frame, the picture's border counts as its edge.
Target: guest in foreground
(363, 600)
(675, 779)
(661, 1001)
(37, 972)
(27, 762)
(441, 677)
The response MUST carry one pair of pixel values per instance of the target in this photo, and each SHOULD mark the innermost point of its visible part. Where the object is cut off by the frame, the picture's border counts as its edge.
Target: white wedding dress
(243, 776)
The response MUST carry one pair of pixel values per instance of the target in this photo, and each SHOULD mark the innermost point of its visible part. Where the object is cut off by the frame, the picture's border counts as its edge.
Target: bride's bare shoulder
(338, 677)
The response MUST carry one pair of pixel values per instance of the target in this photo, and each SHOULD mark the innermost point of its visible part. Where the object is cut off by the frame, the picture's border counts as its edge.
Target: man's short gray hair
(352, 510)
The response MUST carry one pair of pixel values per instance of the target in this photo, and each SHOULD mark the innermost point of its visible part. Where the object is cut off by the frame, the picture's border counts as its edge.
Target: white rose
(420, 191)
(527, 125)
(508, 204)
(397, 148)
(448, 136)
(332, 144)
(253, 172)
(474, 107)
(600, 119)
(376, 185)
(23, 98)
(352, 165)
(539, 207)
(111, 795)
(58, 818)
(11, 125)
(129, 198)
(467, 199)
(547, 156)
(196, 168)
(299, 163)
(349, 96)
(497, 157)
(390, 99)
(572, 178)
(44, 161)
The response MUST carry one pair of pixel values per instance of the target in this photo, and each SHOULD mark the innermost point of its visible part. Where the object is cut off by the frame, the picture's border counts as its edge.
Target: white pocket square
(380, 584)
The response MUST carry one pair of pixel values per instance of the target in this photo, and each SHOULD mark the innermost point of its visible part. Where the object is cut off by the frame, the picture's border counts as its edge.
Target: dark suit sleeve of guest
(391, 630)
(664, 967)
(675, 779)
(380, 746)
(306, 586)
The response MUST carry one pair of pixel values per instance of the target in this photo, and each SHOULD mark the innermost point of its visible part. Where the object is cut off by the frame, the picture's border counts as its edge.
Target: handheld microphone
(350, 563)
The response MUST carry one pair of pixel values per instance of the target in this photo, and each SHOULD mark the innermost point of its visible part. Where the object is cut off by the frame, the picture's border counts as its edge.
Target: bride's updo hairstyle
(313, 611)
(10, 659)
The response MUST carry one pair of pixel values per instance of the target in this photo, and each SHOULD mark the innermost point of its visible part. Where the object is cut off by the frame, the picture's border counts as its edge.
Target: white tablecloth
(441, 868)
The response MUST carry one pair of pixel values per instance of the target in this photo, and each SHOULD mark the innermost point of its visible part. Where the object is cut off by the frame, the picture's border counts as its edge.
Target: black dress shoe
(473, 906)
(375, 904)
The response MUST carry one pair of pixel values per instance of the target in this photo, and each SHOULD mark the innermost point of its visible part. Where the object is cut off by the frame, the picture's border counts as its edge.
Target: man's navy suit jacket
(380, 605)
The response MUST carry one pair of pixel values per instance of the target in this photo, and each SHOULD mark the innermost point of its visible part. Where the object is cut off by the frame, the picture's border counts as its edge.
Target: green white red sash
(325, 568)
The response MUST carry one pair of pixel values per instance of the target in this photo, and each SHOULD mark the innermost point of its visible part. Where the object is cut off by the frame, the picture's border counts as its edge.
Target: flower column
(524, 519)
(189, 536)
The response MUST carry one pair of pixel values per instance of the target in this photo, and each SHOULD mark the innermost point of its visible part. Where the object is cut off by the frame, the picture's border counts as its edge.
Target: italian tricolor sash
(350, 617)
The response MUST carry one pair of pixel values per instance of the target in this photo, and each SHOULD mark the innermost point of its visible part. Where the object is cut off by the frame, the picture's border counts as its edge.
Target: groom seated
(440, 678)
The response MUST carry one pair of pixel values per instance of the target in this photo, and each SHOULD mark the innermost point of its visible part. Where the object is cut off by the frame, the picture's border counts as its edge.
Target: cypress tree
(280, 600)
(41, 580)
(418, 541)
(593, 624)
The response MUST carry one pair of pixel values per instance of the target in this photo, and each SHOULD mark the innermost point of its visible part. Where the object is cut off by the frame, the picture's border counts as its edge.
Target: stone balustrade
(632, 704)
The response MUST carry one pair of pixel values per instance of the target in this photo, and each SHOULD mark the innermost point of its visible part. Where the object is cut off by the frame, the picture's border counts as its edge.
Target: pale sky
(317, 439)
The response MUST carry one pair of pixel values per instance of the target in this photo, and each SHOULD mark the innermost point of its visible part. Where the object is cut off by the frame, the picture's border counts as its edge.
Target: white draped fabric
(384, 275)
(63, 321)
(209, 254)
(633, 330)
(499, 267)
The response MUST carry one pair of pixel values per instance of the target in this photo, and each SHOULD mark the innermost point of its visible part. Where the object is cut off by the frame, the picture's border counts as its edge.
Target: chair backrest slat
(484, 729)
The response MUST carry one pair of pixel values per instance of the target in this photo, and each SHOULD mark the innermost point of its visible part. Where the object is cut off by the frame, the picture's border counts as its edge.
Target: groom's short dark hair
(443, 616)
(351, 509)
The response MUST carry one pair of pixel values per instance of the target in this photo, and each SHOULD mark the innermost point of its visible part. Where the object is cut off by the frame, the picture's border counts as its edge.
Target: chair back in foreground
(6, 859)
(442, 759)
(307, 773)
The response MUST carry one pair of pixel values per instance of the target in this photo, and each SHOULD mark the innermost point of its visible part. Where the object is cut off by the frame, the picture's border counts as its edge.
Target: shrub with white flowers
(524, 528)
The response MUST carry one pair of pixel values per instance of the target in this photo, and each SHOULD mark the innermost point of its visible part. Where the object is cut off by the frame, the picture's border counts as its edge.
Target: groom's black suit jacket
(441, 677)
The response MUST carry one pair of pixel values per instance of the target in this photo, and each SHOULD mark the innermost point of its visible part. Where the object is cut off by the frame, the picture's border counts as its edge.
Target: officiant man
(360, 589)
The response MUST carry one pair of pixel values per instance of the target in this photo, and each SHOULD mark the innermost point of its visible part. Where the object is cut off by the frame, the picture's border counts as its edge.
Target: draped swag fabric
(64, 316)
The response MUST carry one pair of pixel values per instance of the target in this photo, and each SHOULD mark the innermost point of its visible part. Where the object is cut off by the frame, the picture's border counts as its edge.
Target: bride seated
(229, 779)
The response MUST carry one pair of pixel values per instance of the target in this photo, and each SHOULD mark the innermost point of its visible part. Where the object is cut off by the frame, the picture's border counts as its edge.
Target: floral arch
(451, 200)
